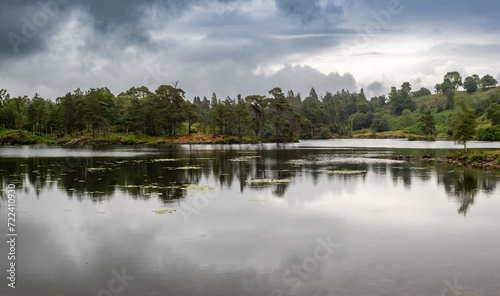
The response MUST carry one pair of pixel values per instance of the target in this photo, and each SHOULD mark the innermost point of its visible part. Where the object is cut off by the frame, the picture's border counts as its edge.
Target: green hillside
(436, 105)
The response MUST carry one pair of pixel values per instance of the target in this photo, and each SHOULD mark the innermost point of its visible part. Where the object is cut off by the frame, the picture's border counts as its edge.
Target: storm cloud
(242, 46)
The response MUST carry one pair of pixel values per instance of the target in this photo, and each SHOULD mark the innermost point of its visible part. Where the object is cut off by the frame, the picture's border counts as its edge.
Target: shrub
(459, 155)
(430, 138)
(491, 133)
(324, 133)
(414, 129)
(478, 156)
(305, 135)
(17, 138)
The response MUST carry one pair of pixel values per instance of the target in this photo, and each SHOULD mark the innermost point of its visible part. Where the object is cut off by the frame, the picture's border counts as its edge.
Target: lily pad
(244, 158)
(189, 168)
(344, 172)
(163, 212)
(270, 181)
(197, 187)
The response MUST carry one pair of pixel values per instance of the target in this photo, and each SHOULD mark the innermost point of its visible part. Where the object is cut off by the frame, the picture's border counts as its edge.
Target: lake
(329, 217)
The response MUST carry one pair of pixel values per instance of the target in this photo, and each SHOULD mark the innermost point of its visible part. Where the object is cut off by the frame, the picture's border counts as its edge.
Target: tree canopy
(276, 116)
(463, 124)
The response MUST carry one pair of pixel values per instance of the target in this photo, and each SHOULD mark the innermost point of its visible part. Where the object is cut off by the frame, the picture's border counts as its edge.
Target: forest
(275, 117)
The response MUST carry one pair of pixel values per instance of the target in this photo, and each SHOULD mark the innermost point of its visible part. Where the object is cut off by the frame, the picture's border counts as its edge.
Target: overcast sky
(243, 46)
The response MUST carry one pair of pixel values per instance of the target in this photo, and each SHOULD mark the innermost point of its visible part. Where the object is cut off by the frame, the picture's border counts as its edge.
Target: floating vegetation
(344, 172)
(270, 181)
(149, 187)
(163, 212)
(245, 158)
(189, 168)
(165, 160)
(298, 160)
(197, 187)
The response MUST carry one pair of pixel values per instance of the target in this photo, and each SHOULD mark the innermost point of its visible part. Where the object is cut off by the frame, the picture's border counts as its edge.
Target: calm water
(87, 223)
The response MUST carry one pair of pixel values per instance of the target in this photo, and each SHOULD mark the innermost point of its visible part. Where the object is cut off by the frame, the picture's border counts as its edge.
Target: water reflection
(166, 173)
(464, 184)
(394, 222)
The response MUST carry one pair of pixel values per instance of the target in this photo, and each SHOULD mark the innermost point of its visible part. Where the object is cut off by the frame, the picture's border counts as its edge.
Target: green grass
(479, 155)
(436, 103)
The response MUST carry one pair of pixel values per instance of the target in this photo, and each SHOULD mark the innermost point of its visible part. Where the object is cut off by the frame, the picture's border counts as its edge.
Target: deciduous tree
(463, 124)
(488, 81)
(470, 85)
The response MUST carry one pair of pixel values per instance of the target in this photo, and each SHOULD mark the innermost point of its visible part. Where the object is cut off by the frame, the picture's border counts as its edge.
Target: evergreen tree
(427, 124)
(450, 99)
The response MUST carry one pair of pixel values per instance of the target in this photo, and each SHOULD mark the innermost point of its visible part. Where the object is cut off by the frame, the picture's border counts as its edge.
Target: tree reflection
(166, 175)
(463, 184)
(402, 171)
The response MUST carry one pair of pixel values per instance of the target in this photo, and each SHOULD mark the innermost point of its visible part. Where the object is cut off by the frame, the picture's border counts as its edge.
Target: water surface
(393, 228)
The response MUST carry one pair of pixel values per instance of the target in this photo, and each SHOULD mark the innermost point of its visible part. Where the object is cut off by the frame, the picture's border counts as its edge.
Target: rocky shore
(490, 162)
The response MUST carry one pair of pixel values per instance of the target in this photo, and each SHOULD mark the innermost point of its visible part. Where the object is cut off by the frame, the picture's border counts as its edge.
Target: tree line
(277, 116)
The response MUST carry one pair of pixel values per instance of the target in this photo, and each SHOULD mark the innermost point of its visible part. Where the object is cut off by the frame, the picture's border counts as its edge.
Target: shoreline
(488, 161)
(26, 138)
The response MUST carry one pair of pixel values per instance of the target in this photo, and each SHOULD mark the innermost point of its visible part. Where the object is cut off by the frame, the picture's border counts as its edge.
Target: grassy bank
(487, 159)
(475, 156)
(20, 137)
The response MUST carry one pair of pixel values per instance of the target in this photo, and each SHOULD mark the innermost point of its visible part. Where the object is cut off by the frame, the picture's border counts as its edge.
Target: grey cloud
(241, 38)
(124, 18)
(23, 26)
(209, 45)
(307, 10)
(254, 50)
(302, 78)
(375, 89)
(239, 80)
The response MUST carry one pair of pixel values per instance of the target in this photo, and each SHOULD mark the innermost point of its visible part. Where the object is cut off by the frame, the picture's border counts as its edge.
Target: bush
(430, 138)
(324, 133)
(491, 133)
(459, 155)
(440, 108)
(17, 138)
(478, 156)
(305, 135)
(380, 123)
(412, 138)
(414, 129)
